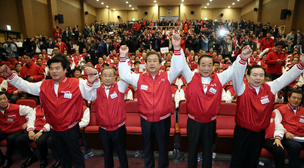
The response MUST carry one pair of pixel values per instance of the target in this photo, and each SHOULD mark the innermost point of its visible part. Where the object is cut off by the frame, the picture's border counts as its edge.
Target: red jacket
(203, 107)
(110, 111)
(154, 97)
(40, 119)
(62, 46)
(64, 111)
(269, 134)
(254, 61)
(293, 123)
(11, 121)
(254, 111)
(273, 66)
(32, 70)
(266, 43)
(10, 88)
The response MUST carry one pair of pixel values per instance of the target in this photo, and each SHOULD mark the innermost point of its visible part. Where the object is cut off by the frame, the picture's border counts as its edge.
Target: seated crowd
(119, 53)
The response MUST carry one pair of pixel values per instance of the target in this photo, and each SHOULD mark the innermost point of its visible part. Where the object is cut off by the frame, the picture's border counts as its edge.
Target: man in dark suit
(50, 43)
(156, 42)
(96, 26)
(108, 47)
(299, 33)
(66, 35)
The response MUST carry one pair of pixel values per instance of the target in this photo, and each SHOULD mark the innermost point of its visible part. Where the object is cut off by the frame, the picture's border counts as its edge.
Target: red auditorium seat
(225, 122)
(6, 63)
(133, 118)
(11, 67)
(27, 102)
(32, 144)
(12, 60)
(266, 154)
(277, 105)
(183, 117)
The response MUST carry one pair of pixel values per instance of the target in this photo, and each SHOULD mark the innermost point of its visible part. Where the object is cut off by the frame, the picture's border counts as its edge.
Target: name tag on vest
(144, 87)
(212, 90)
(68, 95)
(10, 120)
(265, 100)
(113, 96)
(301, 120)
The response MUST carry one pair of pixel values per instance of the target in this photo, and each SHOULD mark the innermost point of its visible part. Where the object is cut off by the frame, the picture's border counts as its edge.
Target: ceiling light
(205, 6)
(113, 9)
(130, 5)
(207, 3)
(107, 6)
(238, 0)
(97, 0)
(233, 3)
(182, 0)
(102, 3)
(181, 4)
(155, 4)
(154, 1)
(210, 0)
(228, 6)
(127, 2)
(132, 8)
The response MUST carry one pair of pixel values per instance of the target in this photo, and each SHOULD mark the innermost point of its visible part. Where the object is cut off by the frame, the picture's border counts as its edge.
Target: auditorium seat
(133, 118)
(32, 144)
(11, 66)
(12, 60)
(182, 118)
(226, 120)
(266, 154)
(277, 105)
(6, 63)
(27, 102)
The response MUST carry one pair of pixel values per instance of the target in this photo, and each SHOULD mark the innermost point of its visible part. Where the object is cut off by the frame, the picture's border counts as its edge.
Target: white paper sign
(164, 50)
(49, 51)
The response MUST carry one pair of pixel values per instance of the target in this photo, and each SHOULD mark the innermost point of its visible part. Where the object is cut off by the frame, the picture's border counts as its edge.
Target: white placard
(49, 51)
(164, 50)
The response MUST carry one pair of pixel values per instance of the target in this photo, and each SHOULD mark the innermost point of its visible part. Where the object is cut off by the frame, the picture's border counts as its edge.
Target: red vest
(254, 111)
(203, 107)
(291, 122)
(11, 121)
(271, 128)
(65, 111)
(154, 97)
(110, 112)
(40, 118)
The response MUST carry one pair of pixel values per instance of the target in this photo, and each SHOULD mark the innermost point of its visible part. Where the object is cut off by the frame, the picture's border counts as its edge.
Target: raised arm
(89, 87)
(263, 52)
(124, 69)
(287, 77)
(226, 75)
(31, 88)
(177, 59)
(239, 70)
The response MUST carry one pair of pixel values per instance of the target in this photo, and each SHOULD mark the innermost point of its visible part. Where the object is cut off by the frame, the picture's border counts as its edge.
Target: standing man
(204, 93)
(110, 116)
(254, 106)
(62, 46)
(267, 42)
(12, 121)
(275, 60)
(31, 71)
(154, 99)
(62, 100)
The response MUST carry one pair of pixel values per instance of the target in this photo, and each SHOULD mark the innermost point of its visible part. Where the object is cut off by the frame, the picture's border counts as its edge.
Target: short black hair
(38, 59)
(279, 43)
(255, 66)
(77, 69)
(298, 91)
(56, 47)
(206, 56)
(136, 62)
(29, 55)
(156, 53)
(58, 59)
(268, 76)
(18, 64)
(216, 62)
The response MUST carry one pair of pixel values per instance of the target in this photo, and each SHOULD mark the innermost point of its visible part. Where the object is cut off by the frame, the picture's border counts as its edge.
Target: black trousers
(161, 131)
(11, 145)
(68, 148)
(247, 146)
(277, 152)
(114, 139)
(293, 149)
(200, 133)
(22, 144)
(52, 147)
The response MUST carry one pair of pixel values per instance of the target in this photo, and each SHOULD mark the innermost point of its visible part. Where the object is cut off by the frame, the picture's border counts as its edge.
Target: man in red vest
(40, 135)
(61, 45)
(291, 118)
(110, 116)
(154, 99)
(62, 100)
(254, 106)
(267, 42)
(203, 95)
(11, 119)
